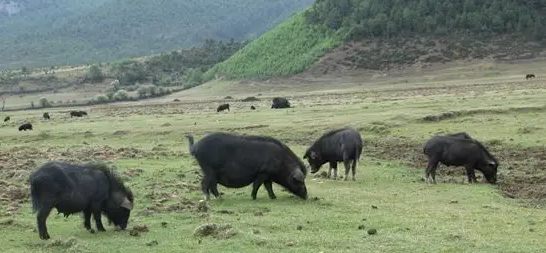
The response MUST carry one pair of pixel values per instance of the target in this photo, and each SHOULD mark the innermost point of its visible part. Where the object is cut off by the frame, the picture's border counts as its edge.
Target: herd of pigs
(235, 161)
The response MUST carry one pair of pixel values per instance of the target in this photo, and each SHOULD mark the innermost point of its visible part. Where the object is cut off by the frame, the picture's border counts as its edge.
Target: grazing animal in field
(338, 145)
(252, 107)
(46, 115)
(26, 126)
(222, 107)
(6, 119)
(279, 102)
(73, 188)
(236, 161)
(528, 76)
(457, 151)
(77, 114)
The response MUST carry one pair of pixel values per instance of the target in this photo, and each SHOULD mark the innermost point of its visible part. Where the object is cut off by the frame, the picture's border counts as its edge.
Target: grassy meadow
(145, 142)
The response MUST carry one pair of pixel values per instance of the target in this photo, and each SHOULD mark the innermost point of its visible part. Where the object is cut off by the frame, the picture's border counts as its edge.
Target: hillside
(379, 35)
(60, 32)
(132, 79)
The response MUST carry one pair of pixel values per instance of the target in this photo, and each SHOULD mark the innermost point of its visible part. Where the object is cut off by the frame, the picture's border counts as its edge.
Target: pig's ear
(298, 175)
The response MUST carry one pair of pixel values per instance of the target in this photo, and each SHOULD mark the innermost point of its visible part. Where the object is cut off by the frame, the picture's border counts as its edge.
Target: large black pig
(451, 150)
(72, 188)
(236, 161)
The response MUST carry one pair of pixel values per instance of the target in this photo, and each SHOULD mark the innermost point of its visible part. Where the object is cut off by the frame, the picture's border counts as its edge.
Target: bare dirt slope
(377, 57)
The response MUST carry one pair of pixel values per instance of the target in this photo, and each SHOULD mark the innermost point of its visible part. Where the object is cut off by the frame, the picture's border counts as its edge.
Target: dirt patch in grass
(133, 172)
(246, 128)
(17, 164)
(462, 113)
(378, 128)
(522, 169)
(217, 231)
(250, 99)
(172, 196)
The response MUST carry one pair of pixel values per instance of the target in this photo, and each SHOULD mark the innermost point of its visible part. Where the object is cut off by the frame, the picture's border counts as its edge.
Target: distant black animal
(279, 103)
(530, 76)
(236, 161)
(457, 151)
(6, 119)
(72, 188)
(222, 107)
(338, 145)
(46, 115)
(77, 114)
(252, 107)
(26, 126)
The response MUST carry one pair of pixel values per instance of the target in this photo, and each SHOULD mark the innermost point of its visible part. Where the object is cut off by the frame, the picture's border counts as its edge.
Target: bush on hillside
(101, 99)
(110, 95)
(121, 95)
(44, 102)
(150, 91)
(128, 72)
(94, 74)
(9, 77)
(193, 77)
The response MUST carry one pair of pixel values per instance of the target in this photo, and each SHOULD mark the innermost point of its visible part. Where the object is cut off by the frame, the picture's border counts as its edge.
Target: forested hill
(364, 19)
(381, 34)
(37, 33)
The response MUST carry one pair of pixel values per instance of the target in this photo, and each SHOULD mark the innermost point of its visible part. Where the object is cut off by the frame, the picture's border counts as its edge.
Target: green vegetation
(409, 216)
(381, 35)
(115, 94)
(184, 67)
(148, 77)
(95, 74)
(377, 18)
(287, 49)
(63, 32)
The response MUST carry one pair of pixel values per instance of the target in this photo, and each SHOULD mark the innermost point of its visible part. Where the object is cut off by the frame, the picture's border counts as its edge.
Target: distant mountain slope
(54, 32)
(381, 35)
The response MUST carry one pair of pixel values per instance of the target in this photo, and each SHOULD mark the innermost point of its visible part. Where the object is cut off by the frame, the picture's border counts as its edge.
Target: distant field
(145, 141)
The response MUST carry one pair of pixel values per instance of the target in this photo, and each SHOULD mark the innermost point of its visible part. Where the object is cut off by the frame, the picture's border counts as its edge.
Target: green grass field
(146, 143)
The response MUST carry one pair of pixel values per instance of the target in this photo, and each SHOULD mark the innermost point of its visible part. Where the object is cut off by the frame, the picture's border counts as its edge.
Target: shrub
(121, 95)
(44, 102)
(101, 99)
(94, 74)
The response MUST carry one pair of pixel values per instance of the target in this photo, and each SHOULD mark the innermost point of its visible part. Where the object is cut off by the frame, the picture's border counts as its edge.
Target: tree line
(359, 19)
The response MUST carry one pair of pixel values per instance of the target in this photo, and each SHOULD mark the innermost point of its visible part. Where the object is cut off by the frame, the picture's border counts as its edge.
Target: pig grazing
(72, 188)
(222, 107)
(236, 161)
(279, 103)
(78, 113)
(451, 150)
(339, 145)
(26, 126)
